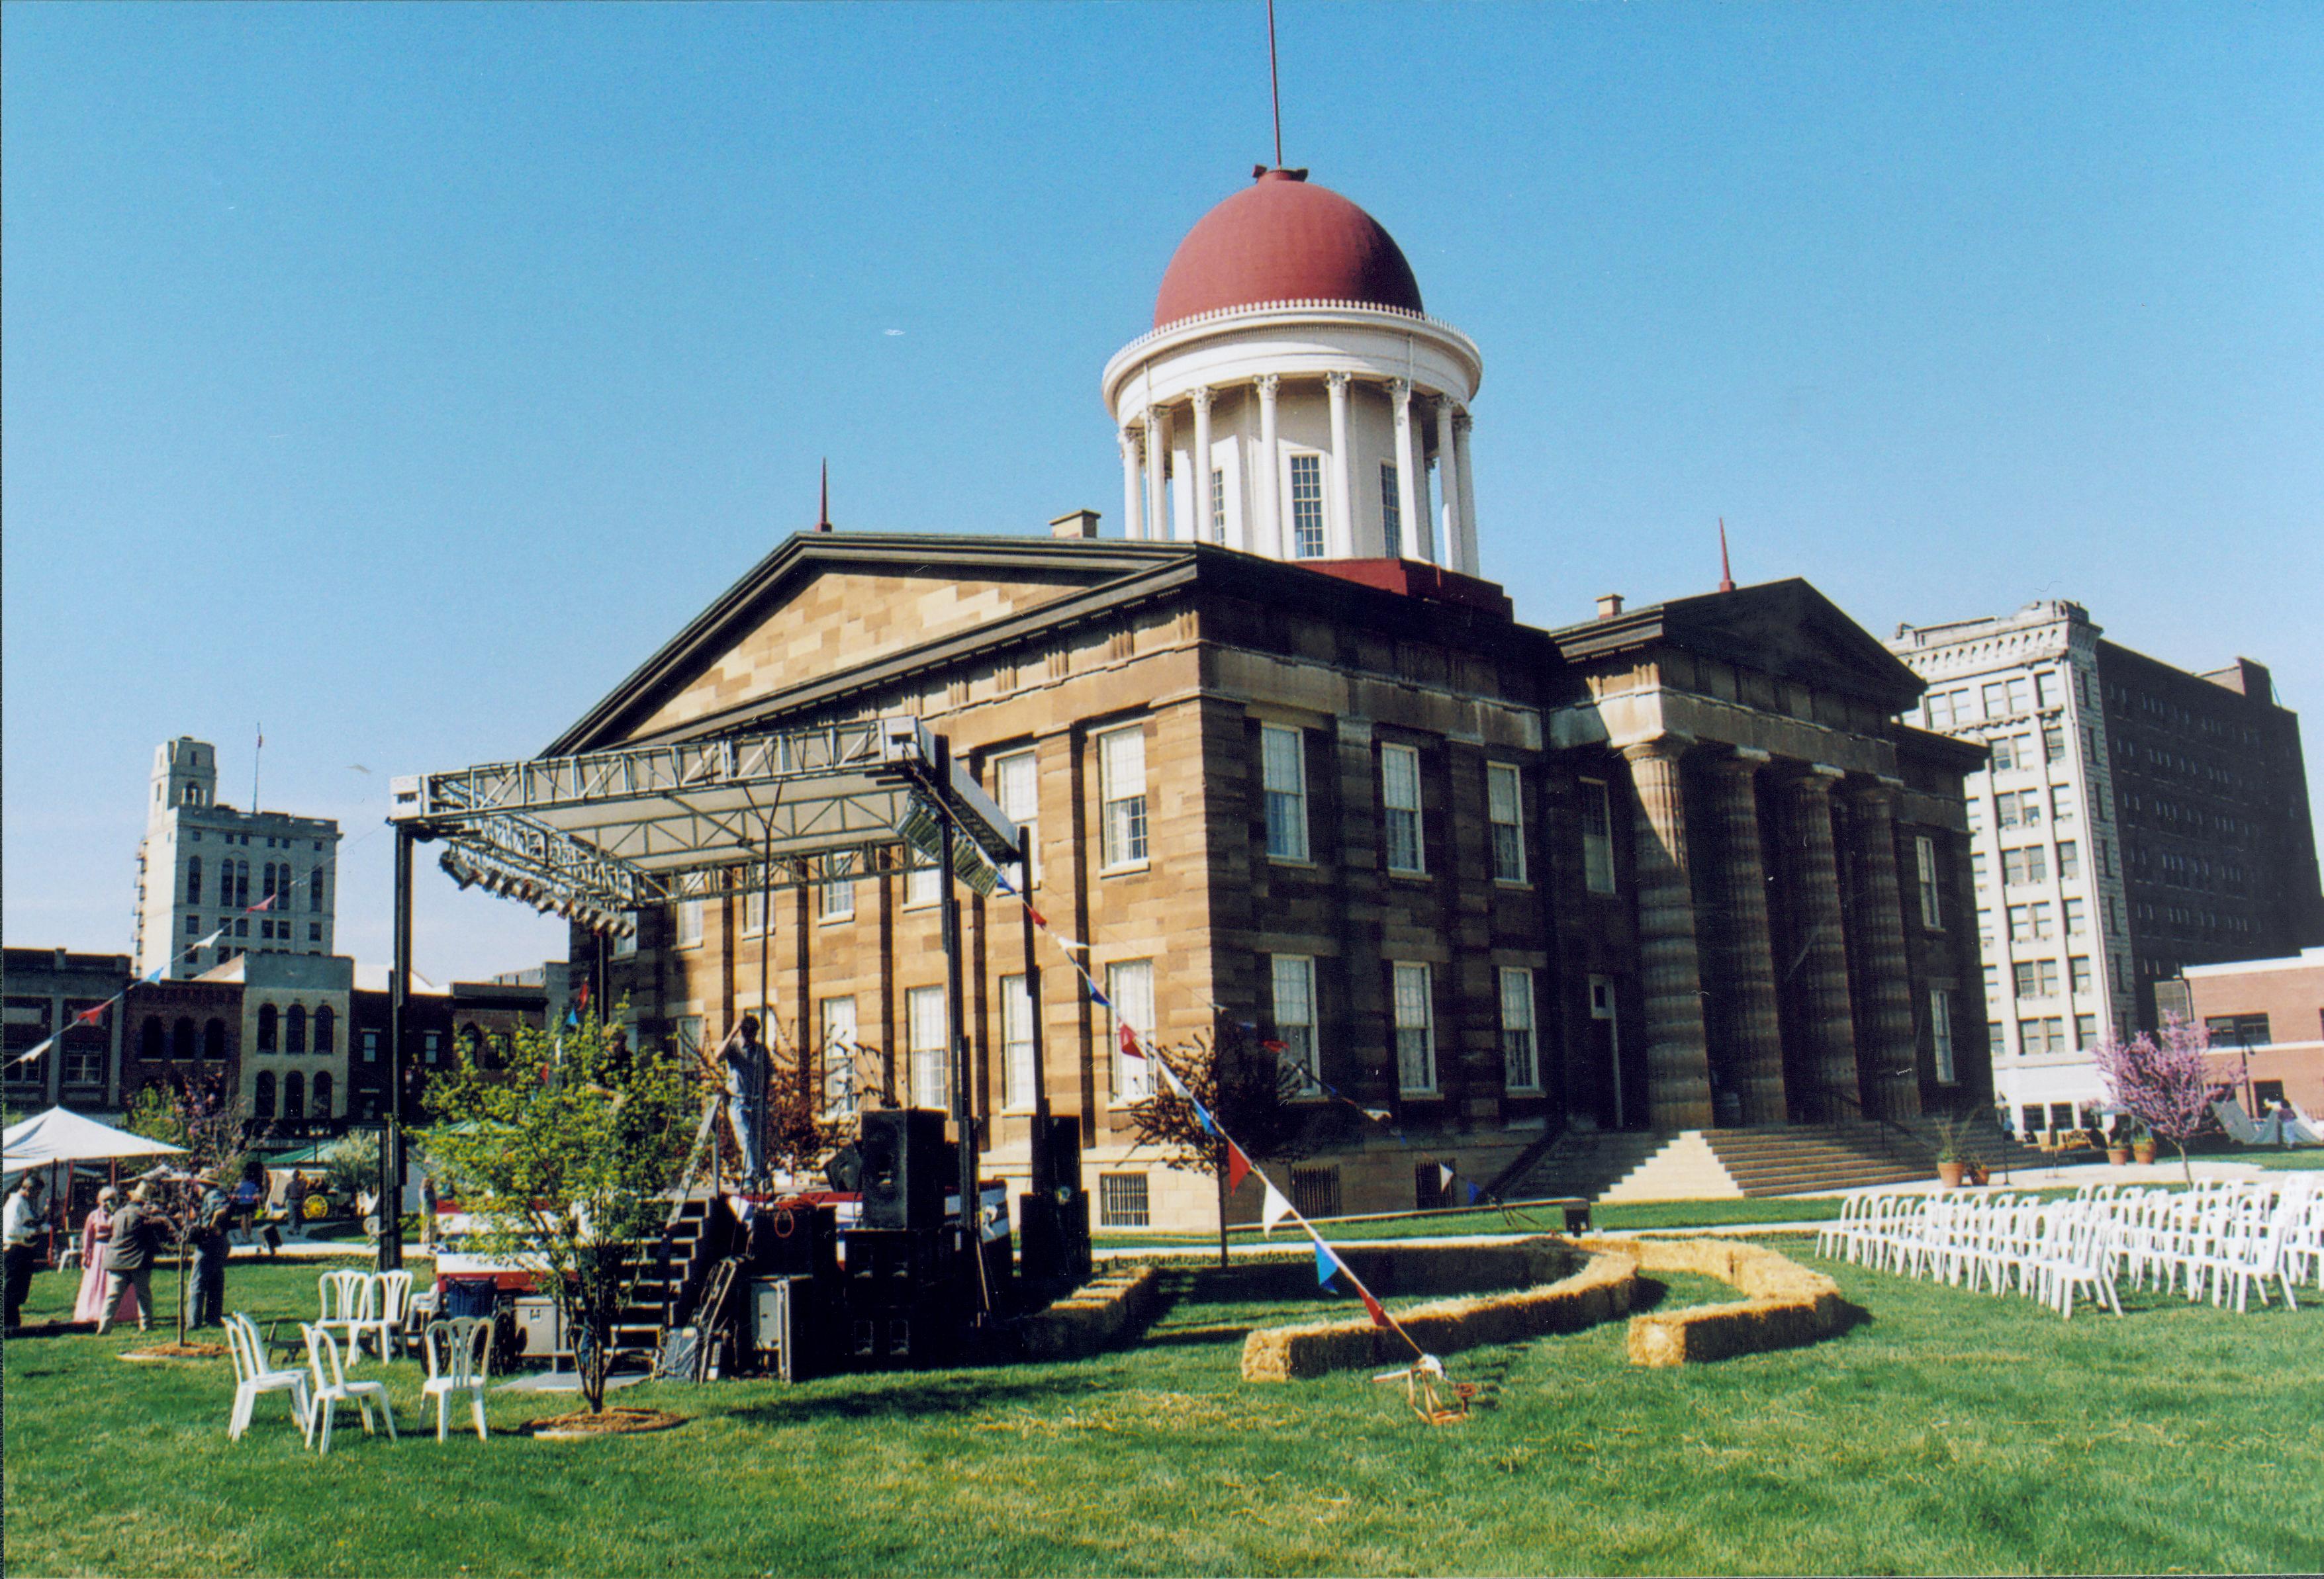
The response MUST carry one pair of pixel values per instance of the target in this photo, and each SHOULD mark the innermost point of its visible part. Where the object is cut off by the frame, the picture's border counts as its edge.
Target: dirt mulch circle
(613, 1422)
(178, 1352)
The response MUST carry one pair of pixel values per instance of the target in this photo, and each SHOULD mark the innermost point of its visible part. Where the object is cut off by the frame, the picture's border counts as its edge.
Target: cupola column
(1132, 528)
(1412, 529)
(1342, 513)
(1468, 564)
(1158, 474)
(1267, 538)
(1206, 507)
(1448, 485)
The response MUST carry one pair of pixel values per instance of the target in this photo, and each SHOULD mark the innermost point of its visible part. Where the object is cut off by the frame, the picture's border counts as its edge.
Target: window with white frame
(1505, 811)
(1307, 507)
(755, 912)
(836, 897)
(1597, 837)
(1217, 506)
(1416, 1030)
(1018, 791)
(1940, 1033)
(1391, 508)
(924, 1032)
(1130, 988)
(1016, 1044)
(1121, 779)
(689, 923)
(625, 942)
(1283, 771)
(1925, 860)
(686, 1034)
(1400, 808)
(921, 882)
(1292, 977)
(1520, 1053)
(2078, 922)
(836, 1018)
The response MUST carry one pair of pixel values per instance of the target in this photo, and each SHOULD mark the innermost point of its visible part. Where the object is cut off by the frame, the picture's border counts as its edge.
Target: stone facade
(1542, 879)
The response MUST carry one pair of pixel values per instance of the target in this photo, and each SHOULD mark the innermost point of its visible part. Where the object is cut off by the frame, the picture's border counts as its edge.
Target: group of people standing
(121, 1239)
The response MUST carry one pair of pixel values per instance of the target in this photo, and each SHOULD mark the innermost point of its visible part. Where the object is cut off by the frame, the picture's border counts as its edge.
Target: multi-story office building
(2134, 818)
(202, 867)
(53, 1056)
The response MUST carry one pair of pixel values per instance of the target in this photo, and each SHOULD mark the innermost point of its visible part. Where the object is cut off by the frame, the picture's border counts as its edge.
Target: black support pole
(399, 992)
(1039, 1157)
(972, 1240)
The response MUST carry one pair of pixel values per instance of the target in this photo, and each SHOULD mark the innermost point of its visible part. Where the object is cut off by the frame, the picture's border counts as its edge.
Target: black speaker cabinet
(905, 1163)
(895, 1266)
(1062, 1177)
(794, 1242)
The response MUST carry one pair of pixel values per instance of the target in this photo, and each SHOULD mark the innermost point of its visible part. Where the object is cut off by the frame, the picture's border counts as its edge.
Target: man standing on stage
(745, 1058)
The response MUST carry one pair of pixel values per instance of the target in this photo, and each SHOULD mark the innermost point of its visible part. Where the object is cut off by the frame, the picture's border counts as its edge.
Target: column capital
(1338, 382)
(1449, 409)
(1401, 391)
(1461, 422)
(1267, 384)
(1156, 416)
(1129, 439)
(1664, 747)
(1200, 396)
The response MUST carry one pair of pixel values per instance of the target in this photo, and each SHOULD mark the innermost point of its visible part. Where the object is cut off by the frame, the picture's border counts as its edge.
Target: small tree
(566, 1165)
(1252, 1095)
(2165, 1084)
(212, 1123)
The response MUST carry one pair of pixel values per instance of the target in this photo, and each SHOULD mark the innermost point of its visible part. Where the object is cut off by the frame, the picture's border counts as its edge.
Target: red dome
(1280, 239)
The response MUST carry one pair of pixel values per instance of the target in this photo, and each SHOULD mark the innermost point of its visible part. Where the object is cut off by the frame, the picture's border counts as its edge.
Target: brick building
(2266, 1021)
(46, 989)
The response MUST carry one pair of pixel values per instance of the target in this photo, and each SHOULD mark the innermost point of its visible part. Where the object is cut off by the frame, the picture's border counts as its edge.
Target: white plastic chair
(253, 1376)
(459, 1360)
(332, 1388)
(389, 1310)
(347, 1300)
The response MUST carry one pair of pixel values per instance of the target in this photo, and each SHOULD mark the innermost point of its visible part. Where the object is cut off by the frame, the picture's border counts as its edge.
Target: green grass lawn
(1947, 1432)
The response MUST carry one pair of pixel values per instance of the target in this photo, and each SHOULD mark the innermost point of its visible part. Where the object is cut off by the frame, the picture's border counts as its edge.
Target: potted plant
(2142, 1145)
(2117, 1146)
(1976, 1170)
(1951, 1162)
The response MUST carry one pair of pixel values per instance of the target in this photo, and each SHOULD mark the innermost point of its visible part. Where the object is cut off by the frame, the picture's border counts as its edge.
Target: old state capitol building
(1294, 766)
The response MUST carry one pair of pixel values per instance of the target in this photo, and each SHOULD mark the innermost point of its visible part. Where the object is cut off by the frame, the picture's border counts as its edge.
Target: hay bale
(1092, 1316)
(1787, 1305)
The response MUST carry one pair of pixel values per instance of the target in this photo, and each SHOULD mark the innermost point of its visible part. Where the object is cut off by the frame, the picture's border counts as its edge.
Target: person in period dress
(96, 1239)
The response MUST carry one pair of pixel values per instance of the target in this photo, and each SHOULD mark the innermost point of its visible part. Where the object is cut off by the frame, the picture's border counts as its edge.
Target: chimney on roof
(1609, 605)
(1075, 523)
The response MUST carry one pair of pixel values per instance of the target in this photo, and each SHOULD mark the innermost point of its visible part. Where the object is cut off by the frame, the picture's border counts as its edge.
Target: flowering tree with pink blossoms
(2163, 1082)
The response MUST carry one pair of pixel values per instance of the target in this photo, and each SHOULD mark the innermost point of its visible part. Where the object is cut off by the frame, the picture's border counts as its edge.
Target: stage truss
(599, 836)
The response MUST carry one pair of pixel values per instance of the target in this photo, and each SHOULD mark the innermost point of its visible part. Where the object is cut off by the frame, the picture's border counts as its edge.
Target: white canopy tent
(56, 1136)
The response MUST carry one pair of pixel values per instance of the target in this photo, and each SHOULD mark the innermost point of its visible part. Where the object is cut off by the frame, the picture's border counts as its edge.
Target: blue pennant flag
(1100, 999)
(1473, 1193)
(1202, 1112)
(1326, 1264)
(1001, 883)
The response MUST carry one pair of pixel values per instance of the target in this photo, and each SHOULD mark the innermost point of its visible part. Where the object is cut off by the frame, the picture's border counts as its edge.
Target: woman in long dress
(95, 1232)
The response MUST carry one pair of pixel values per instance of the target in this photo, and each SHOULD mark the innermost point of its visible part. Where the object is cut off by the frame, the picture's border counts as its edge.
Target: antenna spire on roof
(1726, 576)
(823, 510)
(1274, 84)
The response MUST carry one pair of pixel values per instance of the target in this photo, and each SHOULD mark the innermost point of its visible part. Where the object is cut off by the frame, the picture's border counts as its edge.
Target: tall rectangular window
(1391, 510)
(1996, 701)
(1217, 506)
(371, 1047)
(2062, 803)
(1940, 1033)
(925, 1037)
(1294, 981)
(2086, 1031)
(2047, 689)
(625, 942)
(1400, 805)
(755, 912)
(2053, 742)
(1925, 864)
(689, 922)
(688, 1034)
(835, 899)
(1416, 1030)
(2078, 922)
(1283, 772)
(923, 882)
(1121, 779)
(2078, 968)
(2069, 859)
(1505, 813)
(2021, 693)
(1130, 988)
(1019, 792)
(1307, 507)
(1520, 1061)
(1016, 1044)
(836, 1019)
(1597, 837)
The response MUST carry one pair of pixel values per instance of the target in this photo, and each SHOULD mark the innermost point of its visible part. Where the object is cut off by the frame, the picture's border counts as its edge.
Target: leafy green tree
(567, 1158)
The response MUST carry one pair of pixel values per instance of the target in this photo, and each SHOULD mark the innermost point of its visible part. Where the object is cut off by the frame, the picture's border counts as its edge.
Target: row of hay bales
(1551, 1285)
(1557, 1287)
(1092, 1316)
(1785, 1304)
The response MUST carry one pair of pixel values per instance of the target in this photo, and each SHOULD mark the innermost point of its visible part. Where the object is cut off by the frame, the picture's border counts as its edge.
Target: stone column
(1818, 956)
(1133, 487)
(1413, 534)
(1889, 1067)
(1448, 484)
(1748, 976)
(1205, 506)
(1267, 538)
(1468, 561)
(1340, 509)
(1157, 475)
(1678, 1066)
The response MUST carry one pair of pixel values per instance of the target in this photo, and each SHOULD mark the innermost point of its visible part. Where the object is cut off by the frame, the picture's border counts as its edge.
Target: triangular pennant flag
(1377, 1114)
(585, 995)
(1239, 1168)
(1130, 1048)
(1100, 999)
(153, 976)
(44, 1047)
(1275, 1046)
(93, 1014)
(1202, 1115)
(1179, 1086)
(1379, 1315)
(1326, 1264)
(1473, 1193)
(1443, 1176)
(1074, 944)
(265, 903)
(1038, 919)
(1000, 881)
(206, 943)
(1273, 1210)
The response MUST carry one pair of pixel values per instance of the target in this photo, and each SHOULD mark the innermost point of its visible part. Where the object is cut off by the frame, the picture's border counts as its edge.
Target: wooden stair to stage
(666, 1278)
(1711, 1164)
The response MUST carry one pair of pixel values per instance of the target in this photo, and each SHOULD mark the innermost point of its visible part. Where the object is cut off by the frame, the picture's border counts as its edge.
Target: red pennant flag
(585, 995)
(1130, 1048)
(1379, 1317)
(89, 1017)
(1237, 1167)
(265, 903)
(1038, 919)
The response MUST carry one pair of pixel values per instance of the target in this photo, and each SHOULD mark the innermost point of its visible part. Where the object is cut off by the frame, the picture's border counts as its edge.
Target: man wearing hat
(23, 1233)
(212, 1213)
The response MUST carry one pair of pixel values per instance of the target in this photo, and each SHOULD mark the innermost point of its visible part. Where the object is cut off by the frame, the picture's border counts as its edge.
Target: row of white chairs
(458, 1354)
(2226, 1238)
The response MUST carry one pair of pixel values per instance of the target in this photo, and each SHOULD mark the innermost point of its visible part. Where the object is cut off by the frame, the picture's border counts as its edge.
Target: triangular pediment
(1782, 627)
(823, 605)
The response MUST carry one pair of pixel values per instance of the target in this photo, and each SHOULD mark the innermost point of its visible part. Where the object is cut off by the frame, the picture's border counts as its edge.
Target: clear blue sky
(402, 377)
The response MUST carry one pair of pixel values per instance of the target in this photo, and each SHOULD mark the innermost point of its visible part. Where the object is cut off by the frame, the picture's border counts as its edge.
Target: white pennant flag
(1274, 1211)
(1443, 1176)
(1177, 1084)
(36, 1053)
